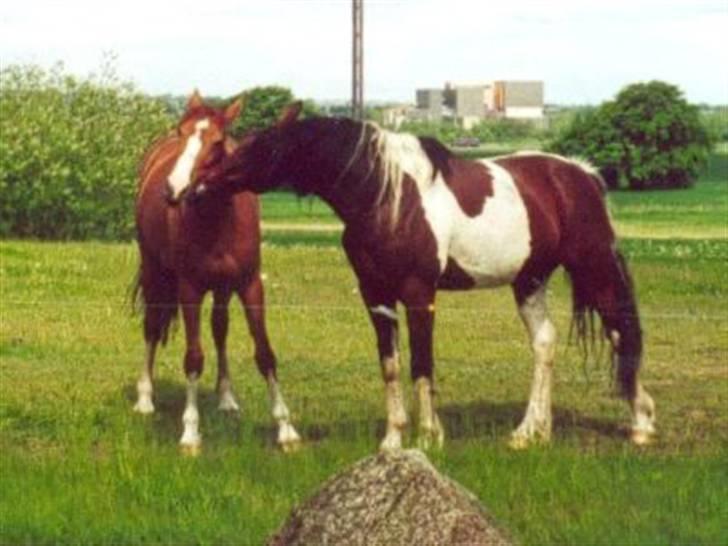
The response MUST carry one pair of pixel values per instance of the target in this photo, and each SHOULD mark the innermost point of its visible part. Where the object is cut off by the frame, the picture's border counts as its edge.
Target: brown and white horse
(417, 219)
(188, 250)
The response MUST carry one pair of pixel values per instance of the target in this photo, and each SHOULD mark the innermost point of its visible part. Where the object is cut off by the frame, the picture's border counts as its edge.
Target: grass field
(77, 466)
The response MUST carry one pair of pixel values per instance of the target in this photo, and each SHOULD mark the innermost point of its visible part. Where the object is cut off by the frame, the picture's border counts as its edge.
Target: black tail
(155, 294)
(604, 285)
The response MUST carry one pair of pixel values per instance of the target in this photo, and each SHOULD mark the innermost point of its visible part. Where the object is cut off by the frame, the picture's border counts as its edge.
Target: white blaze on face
(181, 175)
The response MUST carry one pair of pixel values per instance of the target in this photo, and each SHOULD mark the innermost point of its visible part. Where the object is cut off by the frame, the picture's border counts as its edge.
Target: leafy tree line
(69, 151)
(647, 137)
(70, 148)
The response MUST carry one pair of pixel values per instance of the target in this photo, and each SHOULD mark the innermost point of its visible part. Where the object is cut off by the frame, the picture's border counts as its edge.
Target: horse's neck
(339, 171)
(159, 152)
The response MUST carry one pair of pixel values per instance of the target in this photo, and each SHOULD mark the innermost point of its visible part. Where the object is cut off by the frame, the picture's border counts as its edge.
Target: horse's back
(565, 201)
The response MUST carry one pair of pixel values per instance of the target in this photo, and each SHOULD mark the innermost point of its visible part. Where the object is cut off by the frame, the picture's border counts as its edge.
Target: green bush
(487, 131)
(69, 152)
(263, 105)
(648, 137)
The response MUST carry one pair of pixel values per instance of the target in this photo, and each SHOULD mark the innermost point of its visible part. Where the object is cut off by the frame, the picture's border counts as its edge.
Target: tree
(649, 136)
(263, 105)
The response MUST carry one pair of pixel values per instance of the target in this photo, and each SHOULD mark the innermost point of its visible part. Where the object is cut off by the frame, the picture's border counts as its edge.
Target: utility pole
(357, 58)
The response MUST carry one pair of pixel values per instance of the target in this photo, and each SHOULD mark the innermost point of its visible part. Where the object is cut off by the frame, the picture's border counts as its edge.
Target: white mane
(396, 154)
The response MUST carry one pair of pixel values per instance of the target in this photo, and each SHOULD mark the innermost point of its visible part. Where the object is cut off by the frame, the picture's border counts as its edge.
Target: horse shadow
(165, 424)
(483, 420)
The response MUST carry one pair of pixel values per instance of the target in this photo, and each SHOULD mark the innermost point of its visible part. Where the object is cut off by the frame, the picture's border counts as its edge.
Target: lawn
(78, 466)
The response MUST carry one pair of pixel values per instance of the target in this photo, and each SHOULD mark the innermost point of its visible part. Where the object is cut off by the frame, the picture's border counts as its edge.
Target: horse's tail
(603, 285)
(154, 293)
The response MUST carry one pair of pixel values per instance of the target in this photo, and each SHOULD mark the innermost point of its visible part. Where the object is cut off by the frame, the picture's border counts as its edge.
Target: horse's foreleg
(220, 321)
(252, 298)
(419, 298)
(190, 300)
(536, 425)
(384, 320)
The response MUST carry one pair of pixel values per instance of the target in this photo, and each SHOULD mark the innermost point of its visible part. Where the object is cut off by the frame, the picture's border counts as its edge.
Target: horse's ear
(195, 100)
(289, 114)
(233, 110)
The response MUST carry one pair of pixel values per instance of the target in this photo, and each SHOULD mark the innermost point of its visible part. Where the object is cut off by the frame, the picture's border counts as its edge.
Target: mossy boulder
(390, 498)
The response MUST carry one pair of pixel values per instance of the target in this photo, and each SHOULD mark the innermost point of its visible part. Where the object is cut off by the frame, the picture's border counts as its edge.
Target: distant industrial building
(470, 104)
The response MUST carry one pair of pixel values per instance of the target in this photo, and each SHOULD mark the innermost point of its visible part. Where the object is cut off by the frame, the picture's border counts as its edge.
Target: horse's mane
(390, 157)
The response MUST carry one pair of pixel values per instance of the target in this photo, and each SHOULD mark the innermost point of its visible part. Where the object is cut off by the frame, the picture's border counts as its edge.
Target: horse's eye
(216, 153)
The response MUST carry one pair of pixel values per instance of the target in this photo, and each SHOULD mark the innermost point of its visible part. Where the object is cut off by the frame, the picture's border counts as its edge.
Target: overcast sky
(585, 51)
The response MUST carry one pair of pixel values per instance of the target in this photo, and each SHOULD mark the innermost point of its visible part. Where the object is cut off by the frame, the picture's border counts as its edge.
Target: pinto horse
(187, 250)
(418, 219)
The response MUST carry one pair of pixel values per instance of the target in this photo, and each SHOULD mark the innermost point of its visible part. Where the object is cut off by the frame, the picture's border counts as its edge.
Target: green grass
(697, 212)
(78, 467)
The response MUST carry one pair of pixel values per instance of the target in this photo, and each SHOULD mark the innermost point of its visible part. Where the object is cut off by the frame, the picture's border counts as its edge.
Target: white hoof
(228, 403)
(525, 437)
(144, 406)
(191, 442)
(192, 450)
(519, 442)
(642, 436)
(288, 438)
(429, 440)
(392, 441)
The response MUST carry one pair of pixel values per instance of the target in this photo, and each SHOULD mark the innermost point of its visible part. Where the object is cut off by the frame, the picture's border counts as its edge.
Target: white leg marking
(224, 385)
(642, 406)
(396, 414)
(225, 392)
(145, 387)
(536, 424)
(643, 417)
(191, 439)
(431, 431)
(288, 438)
(385, 311)
(181, 174)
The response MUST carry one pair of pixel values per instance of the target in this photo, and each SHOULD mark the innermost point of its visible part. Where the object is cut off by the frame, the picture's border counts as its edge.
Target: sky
(585, 51)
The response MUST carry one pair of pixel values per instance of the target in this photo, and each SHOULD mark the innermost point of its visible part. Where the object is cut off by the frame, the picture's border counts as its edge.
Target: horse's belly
(490, 251)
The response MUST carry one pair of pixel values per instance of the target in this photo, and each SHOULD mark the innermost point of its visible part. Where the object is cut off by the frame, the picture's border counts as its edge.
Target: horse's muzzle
(170, 198)
(197, 193)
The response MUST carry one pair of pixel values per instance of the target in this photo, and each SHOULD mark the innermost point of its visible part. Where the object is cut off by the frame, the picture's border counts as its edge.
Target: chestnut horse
(418, 218)
(188, 250)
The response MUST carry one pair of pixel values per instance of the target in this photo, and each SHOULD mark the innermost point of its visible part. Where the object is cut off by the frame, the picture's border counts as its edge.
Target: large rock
(390, 499)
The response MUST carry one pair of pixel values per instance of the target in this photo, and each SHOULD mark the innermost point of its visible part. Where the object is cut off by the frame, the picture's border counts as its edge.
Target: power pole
(357, 58)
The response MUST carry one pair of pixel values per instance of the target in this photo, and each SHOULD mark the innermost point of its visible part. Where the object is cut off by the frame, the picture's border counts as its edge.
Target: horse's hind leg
(158, 290)
(252, 298)
(536, 425)
(220, 321)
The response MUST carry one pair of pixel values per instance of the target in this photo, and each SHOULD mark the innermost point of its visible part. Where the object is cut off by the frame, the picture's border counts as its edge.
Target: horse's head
(203, 143)
(256, 162)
